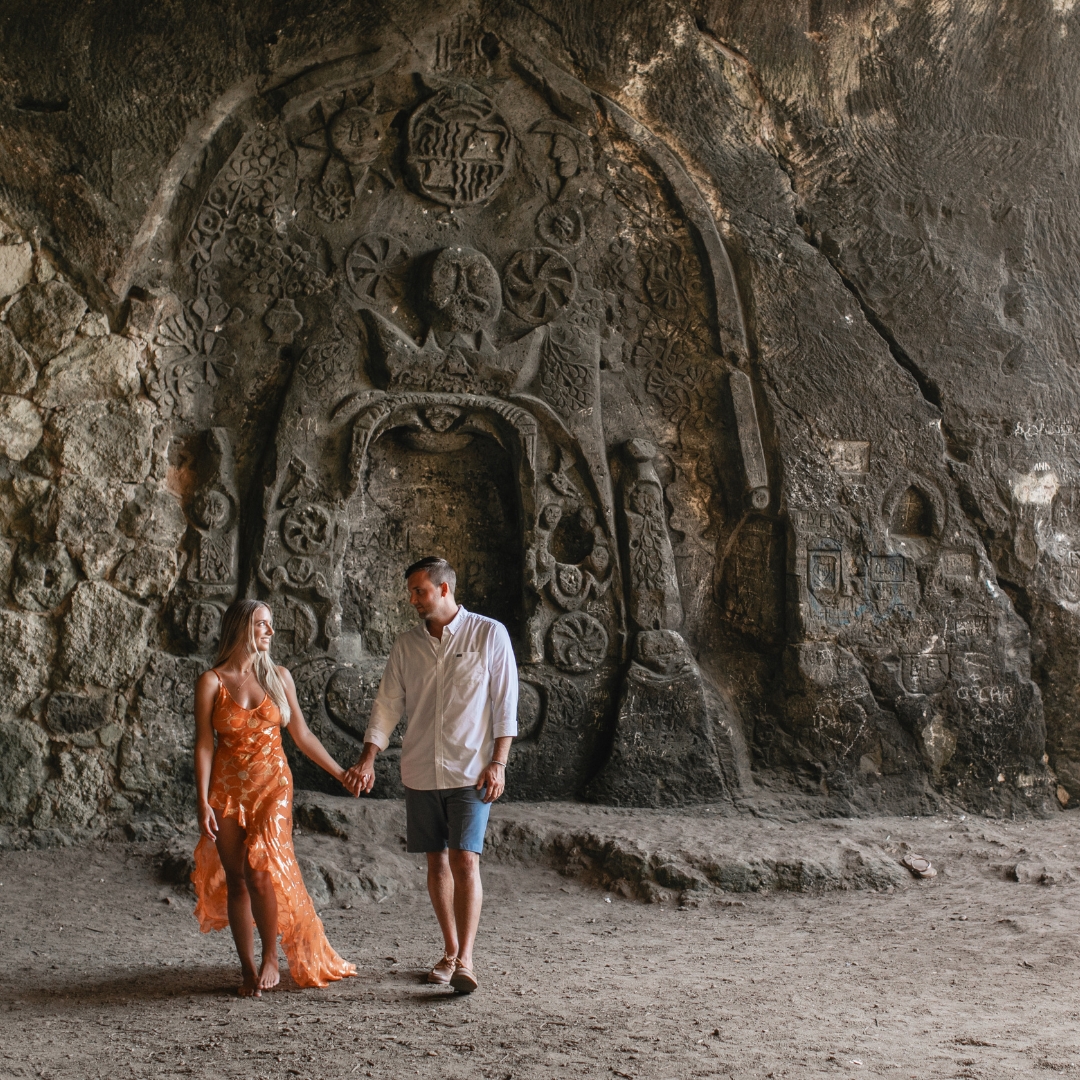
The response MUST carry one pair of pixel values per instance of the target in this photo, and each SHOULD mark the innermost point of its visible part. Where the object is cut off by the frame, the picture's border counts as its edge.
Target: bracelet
(502, 763)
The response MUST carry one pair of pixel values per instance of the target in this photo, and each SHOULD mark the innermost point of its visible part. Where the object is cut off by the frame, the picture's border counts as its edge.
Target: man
(455, 679)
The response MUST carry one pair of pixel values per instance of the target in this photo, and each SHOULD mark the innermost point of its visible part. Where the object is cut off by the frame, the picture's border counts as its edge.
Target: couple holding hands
(453, 676)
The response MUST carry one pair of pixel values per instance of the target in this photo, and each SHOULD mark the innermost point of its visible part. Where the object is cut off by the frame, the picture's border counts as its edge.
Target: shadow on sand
(134, 984)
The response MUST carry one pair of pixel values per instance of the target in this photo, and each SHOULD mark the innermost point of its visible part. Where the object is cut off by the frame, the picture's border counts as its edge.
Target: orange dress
(250, 780)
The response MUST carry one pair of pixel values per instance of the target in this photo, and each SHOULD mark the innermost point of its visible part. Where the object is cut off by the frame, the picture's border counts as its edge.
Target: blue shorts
(447, 817)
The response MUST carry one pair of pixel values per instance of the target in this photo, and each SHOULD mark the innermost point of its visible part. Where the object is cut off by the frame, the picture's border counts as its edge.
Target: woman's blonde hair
(238, 630)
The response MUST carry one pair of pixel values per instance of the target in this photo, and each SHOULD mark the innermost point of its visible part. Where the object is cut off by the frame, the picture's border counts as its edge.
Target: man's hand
(494, 779)
(362, 774)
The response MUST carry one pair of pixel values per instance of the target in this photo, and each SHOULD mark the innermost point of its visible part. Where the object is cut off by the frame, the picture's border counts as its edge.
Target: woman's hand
(363, 772)
(206, 689)
(208, 825)
(350, 781)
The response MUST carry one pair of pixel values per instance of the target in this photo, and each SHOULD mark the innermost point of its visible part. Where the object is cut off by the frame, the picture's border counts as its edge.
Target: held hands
(494, 779)
(362, 774)
(351, 782)
(208, 825)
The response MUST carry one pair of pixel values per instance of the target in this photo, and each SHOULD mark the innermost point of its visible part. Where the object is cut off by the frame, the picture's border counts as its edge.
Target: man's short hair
(438, 570)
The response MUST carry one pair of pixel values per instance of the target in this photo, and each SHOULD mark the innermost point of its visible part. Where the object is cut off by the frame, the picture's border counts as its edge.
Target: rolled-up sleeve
(503, 685)
(389, 702)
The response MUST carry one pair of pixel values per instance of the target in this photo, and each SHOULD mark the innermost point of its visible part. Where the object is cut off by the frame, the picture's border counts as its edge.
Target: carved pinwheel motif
(538, 284)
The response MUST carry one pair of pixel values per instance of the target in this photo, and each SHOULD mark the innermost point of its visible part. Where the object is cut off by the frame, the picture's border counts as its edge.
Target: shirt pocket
(468, 673)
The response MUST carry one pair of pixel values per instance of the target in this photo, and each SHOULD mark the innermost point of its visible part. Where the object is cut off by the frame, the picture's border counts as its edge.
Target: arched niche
(913, 514)
(437, 474)
(914, 509)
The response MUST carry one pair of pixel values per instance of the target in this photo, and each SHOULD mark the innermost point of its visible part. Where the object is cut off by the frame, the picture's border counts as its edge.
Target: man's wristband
(502, 763)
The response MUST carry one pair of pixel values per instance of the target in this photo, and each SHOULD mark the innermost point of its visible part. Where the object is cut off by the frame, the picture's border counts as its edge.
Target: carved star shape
(352, 137)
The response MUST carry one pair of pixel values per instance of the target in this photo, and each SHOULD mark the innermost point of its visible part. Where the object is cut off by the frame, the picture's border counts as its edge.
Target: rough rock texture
(20, 427)
(16, 268)
(155, 765)
(26, 654)
(23, 755)
(45, 317)
(108, 440)
(95, 367)
(17, 372)
(642, 856)
(70, 801)
(86, 518)
(104, 637)
(744, 328)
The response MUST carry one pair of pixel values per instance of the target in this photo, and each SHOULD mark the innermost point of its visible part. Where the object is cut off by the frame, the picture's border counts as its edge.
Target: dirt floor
(971, 974)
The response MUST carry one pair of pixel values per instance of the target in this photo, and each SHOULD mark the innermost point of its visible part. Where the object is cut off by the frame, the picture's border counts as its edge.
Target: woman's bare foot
(269, 977)
(250, 986)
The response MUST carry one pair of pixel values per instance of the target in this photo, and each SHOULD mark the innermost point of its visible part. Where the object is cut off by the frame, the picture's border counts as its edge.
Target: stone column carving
(209, 580)
(653, 588)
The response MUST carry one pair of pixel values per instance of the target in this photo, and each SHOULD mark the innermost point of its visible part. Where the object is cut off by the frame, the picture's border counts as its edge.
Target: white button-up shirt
(458, 693)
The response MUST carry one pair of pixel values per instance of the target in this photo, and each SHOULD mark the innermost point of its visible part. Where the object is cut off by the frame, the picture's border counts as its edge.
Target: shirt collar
(455, 623)
(453, 626)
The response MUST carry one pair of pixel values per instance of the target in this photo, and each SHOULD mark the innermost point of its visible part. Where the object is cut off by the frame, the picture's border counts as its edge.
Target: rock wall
(726, 348)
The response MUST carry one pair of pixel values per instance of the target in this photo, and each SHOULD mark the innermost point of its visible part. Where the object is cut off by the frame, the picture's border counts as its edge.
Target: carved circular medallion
(374, 266)
(356, 135)
(464, 289)
(211, 509)
(561, 226)
(204, 622)
(578, 642)
(307, 529)
(460, 149)
(538, 283)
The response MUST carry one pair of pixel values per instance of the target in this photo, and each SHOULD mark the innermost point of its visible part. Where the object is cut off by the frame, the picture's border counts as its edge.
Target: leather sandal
(442, 971)
(463, 980)
(919, 866)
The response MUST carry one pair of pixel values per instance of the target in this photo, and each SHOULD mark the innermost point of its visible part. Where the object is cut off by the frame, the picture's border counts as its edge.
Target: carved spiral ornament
(578, 642)
(538, 284)
(307, 529)
(373, 267)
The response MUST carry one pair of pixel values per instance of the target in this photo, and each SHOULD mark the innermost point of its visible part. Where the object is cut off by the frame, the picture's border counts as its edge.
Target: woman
(245, 867)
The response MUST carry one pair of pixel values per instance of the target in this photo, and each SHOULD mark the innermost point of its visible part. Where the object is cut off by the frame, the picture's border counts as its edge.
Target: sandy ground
(972, 974)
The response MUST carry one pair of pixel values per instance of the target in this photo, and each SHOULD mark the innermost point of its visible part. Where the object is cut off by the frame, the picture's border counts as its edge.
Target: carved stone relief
(665, 748)
(203, 467)
(653, 598)
(454, 267)
(439, 296)
(506, 332)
